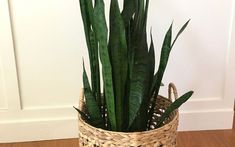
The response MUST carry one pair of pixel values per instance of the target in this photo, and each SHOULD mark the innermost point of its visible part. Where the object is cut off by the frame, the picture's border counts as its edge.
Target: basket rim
(132, 133)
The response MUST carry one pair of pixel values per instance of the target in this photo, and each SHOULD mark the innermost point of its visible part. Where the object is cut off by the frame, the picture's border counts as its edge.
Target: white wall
(41, 49)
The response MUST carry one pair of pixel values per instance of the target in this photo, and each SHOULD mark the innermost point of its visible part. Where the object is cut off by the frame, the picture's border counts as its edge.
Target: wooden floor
(185, 139)
(225, 138)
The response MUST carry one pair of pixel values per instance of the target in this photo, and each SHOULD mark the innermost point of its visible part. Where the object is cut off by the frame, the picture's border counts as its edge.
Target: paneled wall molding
(229, 94)
(7, 57)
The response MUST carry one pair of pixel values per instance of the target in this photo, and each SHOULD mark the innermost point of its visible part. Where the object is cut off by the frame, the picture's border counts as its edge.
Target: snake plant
(128, 66)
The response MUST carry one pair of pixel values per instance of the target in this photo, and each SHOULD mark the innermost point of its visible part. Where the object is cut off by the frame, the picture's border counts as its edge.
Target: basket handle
(81, 99)
(172, 90)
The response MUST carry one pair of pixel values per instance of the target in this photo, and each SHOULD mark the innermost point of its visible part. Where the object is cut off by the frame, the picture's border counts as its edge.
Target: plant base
(165, 136)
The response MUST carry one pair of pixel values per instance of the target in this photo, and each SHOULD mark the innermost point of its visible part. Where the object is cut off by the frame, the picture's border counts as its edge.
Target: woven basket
(162, 137)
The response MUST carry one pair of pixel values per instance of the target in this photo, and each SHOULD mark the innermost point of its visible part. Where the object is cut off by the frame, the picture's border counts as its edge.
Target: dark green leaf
(101, 32)
(146, 14)
(151, 66)
(175, 105)
(85, 116)
(92, 105)
(95, 69)
(128, 10)
(118, 56)
(166, 49)
(181, 31)
(165, 52)
(92, 44)
(86, 20)
(139, 79)
(140, 18)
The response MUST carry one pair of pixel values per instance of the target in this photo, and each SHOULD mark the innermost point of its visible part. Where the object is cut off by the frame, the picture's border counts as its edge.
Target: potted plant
(128, 110)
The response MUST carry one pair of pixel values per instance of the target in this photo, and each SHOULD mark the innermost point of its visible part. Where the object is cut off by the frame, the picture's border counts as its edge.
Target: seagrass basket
(164, 136)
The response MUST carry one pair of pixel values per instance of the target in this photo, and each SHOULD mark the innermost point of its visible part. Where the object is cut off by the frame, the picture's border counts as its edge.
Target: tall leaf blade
(128, 10)
(95, 57)
(92, 45)
(87, 29)
(139, 81)
(140, 23)
(165, 52)
(175, 105)
(95, 68)
(86, 20)
(151, 66)
(166, 49)
(92, 105)
(101, 31)
(137, 89)
(180, 32)
(118, 56)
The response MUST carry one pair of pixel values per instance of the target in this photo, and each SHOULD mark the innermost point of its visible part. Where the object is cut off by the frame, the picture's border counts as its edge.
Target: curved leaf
(85, 116)
(175, 105)
(179, 33)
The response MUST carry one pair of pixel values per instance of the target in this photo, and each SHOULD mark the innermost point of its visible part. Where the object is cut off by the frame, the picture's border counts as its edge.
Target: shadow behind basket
(162, 137)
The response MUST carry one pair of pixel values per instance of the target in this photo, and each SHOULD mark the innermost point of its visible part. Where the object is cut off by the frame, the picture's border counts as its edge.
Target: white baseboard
(20, 131)
(206, 120)
(38, 130)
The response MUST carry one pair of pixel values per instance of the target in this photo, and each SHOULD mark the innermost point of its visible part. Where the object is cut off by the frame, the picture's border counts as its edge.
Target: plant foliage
(128, 64)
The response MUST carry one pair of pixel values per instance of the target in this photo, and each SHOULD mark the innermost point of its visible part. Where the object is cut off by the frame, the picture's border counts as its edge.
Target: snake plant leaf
(166, 49)
(94, 55)
(85, 116)
(165, 52)
(130, 46)
(90, 11)
(95, 68)
(101, 32)
(180, 32)
(146, 14)
(152, 88)
(92, 45)
(138, 86)
(92, 105)
(151, 66)
(175, 105)
(139, 81)
(87, 30)
(118, 56)
(139, 18)
(141, 120)
(128, 10)
(86, 20)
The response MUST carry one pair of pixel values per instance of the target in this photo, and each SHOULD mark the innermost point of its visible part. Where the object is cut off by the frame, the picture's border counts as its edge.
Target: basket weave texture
(164, 136)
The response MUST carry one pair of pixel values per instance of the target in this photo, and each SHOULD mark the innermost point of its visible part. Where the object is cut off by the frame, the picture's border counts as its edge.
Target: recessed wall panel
(49, 45)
